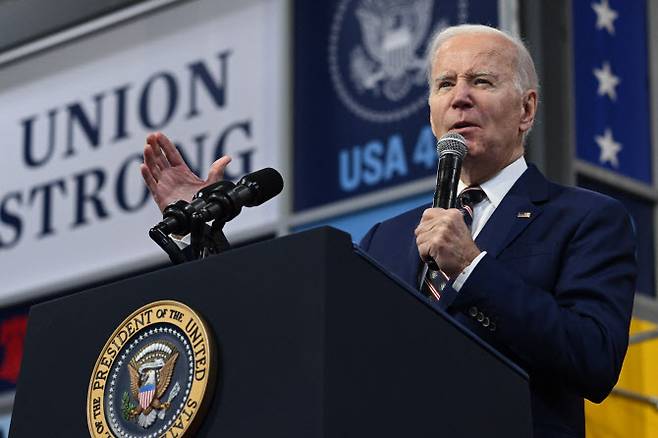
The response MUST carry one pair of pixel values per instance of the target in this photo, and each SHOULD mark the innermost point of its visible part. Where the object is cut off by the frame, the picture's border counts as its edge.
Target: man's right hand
(167, 176)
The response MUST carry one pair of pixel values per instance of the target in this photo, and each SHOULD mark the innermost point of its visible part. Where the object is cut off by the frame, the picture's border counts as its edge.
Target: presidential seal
(376, 56)
(154, 376)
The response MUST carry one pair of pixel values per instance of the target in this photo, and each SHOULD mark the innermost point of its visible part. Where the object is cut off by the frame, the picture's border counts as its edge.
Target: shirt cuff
(463, 276)
(183, 242)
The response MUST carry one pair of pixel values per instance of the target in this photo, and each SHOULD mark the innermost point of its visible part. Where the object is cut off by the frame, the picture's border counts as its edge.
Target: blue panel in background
(642, 213)
(612, 86)
(360, 93)
(358, 224)
(5, 420)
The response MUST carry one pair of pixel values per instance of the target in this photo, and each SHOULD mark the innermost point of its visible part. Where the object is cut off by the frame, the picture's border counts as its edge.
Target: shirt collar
(497, 187)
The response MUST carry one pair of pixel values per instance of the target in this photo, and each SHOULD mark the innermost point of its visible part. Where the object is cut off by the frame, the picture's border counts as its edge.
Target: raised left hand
(168, 177)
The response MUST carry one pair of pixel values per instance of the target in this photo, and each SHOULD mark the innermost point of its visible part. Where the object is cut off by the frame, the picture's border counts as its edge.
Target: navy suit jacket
(554, 292)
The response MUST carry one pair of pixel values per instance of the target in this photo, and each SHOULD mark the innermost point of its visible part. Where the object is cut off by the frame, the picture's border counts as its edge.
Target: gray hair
(526, 75)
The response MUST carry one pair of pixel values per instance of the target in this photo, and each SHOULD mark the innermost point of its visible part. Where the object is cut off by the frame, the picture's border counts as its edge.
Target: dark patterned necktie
(433, 281)
(467, 200)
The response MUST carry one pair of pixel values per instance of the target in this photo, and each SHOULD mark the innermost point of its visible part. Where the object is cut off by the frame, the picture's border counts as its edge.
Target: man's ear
(529, 109)
(432, 123)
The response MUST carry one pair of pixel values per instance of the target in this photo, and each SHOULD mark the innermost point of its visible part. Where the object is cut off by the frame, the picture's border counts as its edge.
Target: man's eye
(482, 81)
(443, 84)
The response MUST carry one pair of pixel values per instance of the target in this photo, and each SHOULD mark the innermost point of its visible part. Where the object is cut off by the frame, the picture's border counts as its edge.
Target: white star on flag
(605, 16)
(607, 81)
(609, 148)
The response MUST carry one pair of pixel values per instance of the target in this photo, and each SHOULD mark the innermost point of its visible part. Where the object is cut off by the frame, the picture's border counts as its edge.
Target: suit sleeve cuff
(463, 276)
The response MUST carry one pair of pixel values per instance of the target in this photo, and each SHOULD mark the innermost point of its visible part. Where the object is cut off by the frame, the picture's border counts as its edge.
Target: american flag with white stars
(611, 77)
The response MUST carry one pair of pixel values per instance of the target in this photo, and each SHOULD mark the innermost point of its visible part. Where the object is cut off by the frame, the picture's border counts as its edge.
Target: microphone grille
(452, 143)
(266, 184)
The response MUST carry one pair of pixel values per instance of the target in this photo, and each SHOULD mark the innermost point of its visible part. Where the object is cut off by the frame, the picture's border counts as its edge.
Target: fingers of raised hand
(152, 185)
(151, 161)
(148, 177)
(159, 156)
(216, 171)
(171, 154)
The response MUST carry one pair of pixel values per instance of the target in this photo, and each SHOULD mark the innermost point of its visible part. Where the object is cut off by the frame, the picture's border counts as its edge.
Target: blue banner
(361, 118)
(612, 86)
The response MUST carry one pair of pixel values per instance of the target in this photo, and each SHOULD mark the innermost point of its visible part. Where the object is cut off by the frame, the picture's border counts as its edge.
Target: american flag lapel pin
(524, 214)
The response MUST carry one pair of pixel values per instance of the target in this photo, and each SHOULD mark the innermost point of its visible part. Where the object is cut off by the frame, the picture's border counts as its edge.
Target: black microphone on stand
(224, 202)
(452, 149)
(252, 190)
(221, 202)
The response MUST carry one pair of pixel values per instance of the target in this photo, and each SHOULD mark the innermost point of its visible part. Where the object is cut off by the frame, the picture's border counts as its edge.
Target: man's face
(473, 93)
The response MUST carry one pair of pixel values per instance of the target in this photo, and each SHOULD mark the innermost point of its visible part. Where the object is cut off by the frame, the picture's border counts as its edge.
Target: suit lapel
(518, 209)
(415, 270)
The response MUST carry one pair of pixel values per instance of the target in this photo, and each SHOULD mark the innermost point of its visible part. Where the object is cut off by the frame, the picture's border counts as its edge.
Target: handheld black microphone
(452, 149)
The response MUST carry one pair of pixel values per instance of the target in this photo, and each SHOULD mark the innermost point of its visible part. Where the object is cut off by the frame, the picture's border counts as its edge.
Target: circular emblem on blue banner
(377, 56)
(153, 376)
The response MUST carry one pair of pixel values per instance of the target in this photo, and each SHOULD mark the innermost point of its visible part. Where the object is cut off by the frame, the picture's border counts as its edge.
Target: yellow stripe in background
(622, 416)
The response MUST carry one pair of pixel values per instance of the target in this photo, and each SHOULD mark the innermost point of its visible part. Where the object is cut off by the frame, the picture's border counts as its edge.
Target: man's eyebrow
(443, 76)
(469, 75)
(475, 74)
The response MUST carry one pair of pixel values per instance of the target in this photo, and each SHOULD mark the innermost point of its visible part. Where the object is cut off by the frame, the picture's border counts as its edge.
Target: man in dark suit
(545, 273)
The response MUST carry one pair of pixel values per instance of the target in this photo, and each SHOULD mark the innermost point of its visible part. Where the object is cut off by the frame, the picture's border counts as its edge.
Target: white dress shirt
(495, 190)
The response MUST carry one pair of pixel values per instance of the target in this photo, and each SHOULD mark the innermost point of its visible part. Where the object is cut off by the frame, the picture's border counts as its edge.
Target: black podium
(313, 340)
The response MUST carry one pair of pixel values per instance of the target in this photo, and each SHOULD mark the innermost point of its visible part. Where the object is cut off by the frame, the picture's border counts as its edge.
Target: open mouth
(463, 125)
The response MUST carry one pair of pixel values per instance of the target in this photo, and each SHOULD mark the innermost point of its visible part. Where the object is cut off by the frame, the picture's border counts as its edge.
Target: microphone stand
(197, 235)
(219, 202)
(204, 240)
(177, 212)
(168, 245)
(207, 240)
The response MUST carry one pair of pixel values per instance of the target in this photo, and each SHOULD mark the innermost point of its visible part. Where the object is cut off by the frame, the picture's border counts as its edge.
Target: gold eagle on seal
(151, 371)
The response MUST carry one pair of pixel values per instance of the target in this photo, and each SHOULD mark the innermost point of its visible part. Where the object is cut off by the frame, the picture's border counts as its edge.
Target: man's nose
(461, 97)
